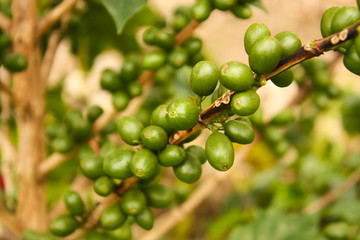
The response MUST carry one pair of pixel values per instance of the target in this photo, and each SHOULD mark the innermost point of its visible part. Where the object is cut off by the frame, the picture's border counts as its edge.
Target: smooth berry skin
(201, 10)
(158, 118)
(63, 225)
(154, 60)
(204, 78)
(283, 79)
(154, 137)
(219, 151)
(265, 55)
(326, 19)
(130, 129)
(255, 32)
(351, 60)
(117, 163)
(236, 76)
(245, 103)
(189, 171)
(344, 17)
(144, 164)
(182, 114)
(242, 11)
(239, 131)
(171, 155)
(289, 42)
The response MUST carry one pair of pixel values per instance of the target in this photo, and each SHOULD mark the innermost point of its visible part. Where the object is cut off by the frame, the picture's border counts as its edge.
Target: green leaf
(278, 225)
(259, 4)
(122, 10)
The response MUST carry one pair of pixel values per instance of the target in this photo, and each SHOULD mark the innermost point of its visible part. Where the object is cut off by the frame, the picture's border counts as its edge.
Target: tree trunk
(29, 92)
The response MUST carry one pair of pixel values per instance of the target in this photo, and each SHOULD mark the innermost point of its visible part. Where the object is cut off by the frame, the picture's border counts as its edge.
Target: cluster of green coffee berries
(123, 85)
(336, 19)
(241, 9)
(14, 62)
(265, 51)
(75, 128)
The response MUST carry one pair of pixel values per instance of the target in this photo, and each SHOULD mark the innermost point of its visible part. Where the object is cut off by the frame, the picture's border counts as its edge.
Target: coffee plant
(131, 167)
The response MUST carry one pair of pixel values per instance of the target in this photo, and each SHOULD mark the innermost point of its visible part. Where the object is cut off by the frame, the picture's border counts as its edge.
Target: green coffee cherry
(54, 130)
(158, 118)
(201, 10)
(344, 17)
(224, 5)
(289, 42)
(189, 171)
(154, 60)
(239, 131)
(284, 117)
(171, 155)
(106, 149)
(15, 62)
(180, 21)
(94, 112)
(130, 129)
(159, 196)
(74, 203)
(178, 57)
(242, 11)
(195, 58)
(120, 100)
(91, 166)
(81, 129)
(145, 219)
(5, 41)
(357, 44)
(236, 76)
(103, 186)
(182, 114)
(135, 89)
(337, 230)
(219, 151)
(351, 60)
(273, 134)
(326, 20)
(204, 78)
(110, 80)
(144, 164)
(62, 144)
(193, 45)
(149, 35)
(133, 202)
(130, 69)
(255, 32)
(245, 103)
(63, 226)
(265, 55)
(164, 40)
(112, 217)
(117, 163)
(197, 151)
(121, 233)
(283, 79)
(154, 138)
(164, 75)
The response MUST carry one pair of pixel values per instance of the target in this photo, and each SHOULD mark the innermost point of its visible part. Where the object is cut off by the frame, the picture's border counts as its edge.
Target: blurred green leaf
(277, 225)
(122, 10)
(92, 30)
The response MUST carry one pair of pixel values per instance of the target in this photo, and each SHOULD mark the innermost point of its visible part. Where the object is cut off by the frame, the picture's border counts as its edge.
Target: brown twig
(54, 161)
(5, 23)
(182, 36)
(334, 194)
(313, 49)
(53, 44)
(54, 16)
